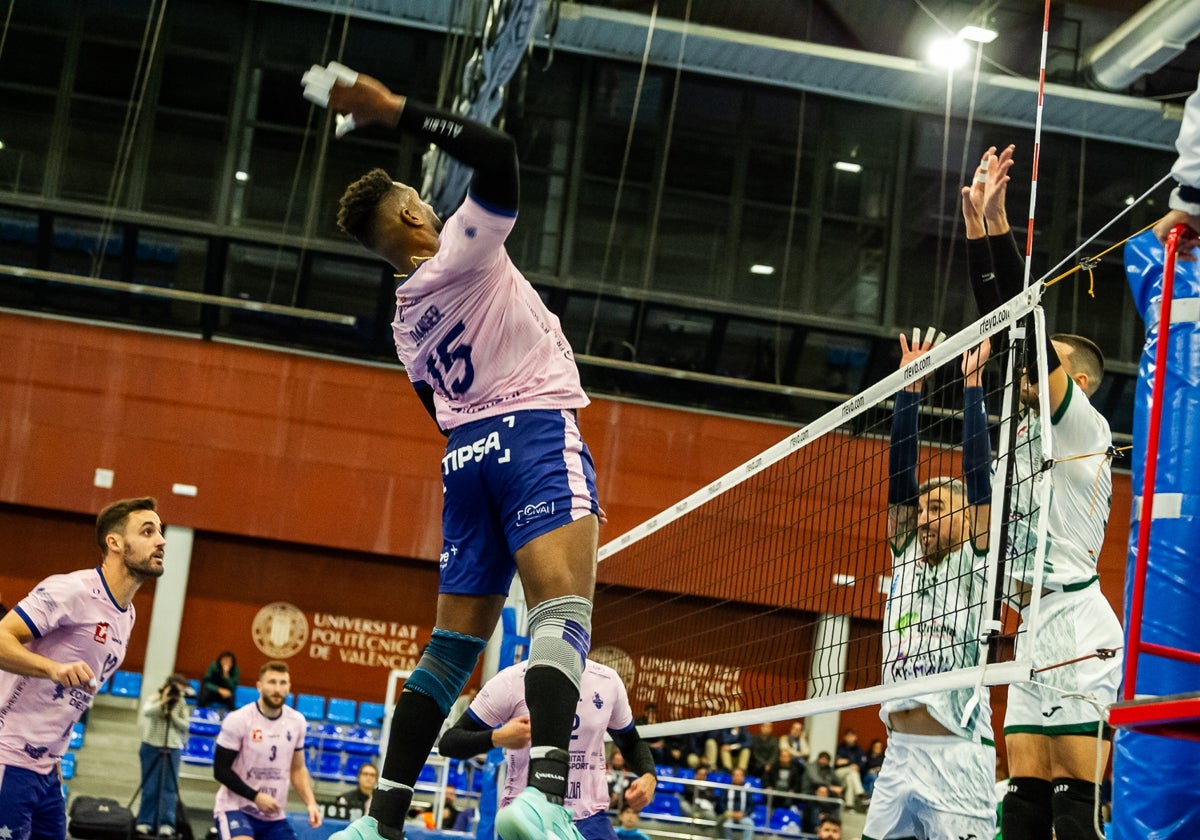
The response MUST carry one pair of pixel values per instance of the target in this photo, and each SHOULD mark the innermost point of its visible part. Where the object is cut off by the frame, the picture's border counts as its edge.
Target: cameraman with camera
(165, 719)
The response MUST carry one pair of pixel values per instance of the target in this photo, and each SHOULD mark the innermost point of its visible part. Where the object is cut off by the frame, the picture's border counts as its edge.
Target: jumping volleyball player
(494, 370)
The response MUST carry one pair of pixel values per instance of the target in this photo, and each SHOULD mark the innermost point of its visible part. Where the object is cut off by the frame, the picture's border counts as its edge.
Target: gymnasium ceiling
(874, 51)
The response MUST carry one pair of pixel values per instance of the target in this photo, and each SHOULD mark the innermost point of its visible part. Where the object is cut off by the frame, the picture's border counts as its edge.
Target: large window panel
(349, 287)
(759, 277)
(772, 176)
(208, 26)
(849, 271)
(26, 120)
(607, 322)
(93, 134)
(32, 58)
(698, 162)
(754, 349)
(107, 70)
(692, 245)
(620, 252)
(536, 241)
(276, 191)
(833, 362)
(179, 87)
(186, 159)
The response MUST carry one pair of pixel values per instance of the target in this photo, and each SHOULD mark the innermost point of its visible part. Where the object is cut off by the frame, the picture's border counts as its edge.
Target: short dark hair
(115, 516)
(357, 206)
(273, 665)
(827, 818)
(1086, 357)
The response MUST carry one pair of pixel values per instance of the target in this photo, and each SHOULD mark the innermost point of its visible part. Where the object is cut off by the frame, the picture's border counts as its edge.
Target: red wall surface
(318, 485)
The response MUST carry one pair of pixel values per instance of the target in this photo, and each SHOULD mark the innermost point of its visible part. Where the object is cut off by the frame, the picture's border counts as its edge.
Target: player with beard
(57, 646)
(1050, 729)
(936, 780)
(260, 749)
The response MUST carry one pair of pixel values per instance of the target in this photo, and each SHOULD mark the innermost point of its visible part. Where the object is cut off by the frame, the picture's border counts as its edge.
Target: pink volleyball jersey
(469, 324)
(265, 747)
(603, 705)
(73, 618)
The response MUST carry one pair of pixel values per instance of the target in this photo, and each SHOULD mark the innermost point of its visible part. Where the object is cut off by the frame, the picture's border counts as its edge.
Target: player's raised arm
(490, 152)
(902, 452)
(977, 447)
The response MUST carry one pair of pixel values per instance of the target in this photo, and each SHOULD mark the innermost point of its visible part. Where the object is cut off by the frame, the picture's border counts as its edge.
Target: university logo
(279, 630)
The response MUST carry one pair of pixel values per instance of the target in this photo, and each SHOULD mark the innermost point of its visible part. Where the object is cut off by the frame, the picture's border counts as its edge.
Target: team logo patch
(597, 700)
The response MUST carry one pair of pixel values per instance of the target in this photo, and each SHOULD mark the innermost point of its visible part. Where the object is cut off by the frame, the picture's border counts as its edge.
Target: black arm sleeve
(466, 739)
(425, 394)
(983, 277)
(1009, 266)
(489, 151)
(223, 773)
(638, 757)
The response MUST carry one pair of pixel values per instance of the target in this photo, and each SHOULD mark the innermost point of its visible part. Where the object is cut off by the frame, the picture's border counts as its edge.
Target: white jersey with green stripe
(931, 625)
(1080, 494)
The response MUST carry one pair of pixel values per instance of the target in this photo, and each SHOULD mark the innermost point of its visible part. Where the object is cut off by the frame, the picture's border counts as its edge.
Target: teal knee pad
(445, 667)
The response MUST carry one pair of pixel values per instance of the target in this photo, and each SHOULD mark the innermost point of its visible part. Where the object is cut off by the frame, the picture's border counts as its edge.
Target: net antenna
(762, 596)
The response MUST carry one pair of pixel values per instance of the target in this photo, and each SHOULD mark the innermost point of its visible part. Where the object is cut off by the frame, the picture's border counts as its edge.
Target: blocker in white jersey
(57, 646)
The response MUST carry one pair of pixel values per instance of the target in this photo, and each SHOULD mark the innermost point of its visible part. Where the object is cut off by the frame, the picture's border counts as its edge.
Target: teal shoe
(363, 828)
(531, 817)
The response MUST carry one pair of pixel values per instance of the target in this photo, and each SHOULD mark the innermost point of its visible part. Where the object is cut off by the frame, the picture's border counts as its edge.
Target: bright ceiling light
(759, 268)
(1129, 200)
(978, 34)
(1, 144)
(948, 53)
(241, 175)
(847, 166)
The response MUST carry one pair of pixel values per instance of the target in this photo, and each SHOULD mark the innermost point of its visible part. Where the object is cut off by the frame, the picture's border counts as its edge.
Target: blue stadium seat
(362, 741)
(664, 803)
(329, 767)
(371, 714)
(126, 684)
(428, 774)
(783, 817)
(204, 722)
(666, 782)
(759, 816)
(341, 710)
(352, 764)
(194, 694)
(328, 737)
(312, 706)
(198, 750)
(244, 696)
(68, 765)
(76, 736)
(719, 777)
(513, 647)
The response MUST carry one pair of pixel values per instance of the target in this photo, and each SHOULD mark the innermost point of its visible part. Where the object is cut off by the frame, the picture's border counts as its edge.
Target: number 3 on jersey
(441, 361)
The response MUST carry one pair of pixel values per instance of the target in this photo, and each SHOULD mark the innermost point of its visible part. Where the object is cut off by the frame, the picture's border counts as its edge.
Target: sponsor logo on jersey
(475, 452)
(101, 634)
(533, 511)
(444, 557)
(35, 752)
(256, 736)
(1050, 713)
(597, 700)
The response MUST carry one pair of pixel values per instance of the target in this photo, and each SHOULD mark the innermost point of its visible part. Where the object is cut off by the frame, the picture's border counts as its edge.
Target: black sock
(1074, 809)
(552, 700)
(1028, 810)
(416, 721)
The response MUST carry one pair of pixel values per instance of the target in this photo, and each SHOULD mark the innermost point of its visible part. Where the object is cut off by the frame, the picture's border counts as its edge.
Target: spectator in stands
(359, 796)
(703, 749)
(829, 829)
(649, 717)
(262, 742)
(873, 761)
(628, 830)
(675, 751)
(848, 764)
(57, 646)
(820, 773)
(735, 748)
(700, 801)
(218, 689)
(734, 806)
(500, 717)
(764, 750)
(165, 718)
(784, 776)
(796, 742)
(824, 808)
(618, 777)
(449, 809)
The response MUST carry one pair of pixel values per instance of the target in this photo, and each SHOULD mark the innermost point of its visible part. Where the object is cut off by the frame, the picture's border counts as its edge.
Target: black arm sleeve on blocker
(466, 739)
(637, 753)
